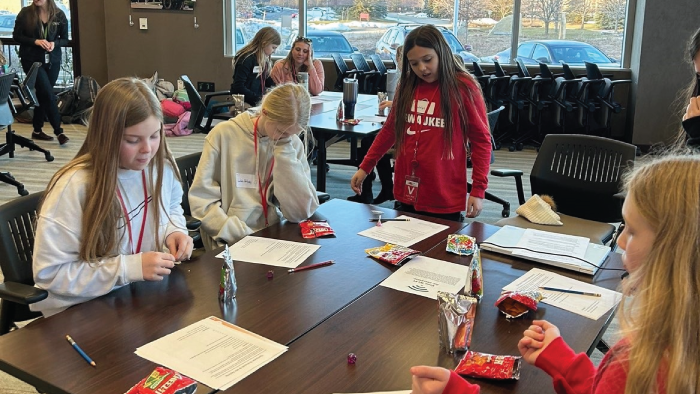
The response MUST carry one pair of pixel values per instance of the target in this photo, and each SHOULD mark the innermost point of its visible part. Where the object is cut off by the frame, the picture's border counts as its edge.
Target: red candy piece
(352, 358)
(270, 274)
(482, 365)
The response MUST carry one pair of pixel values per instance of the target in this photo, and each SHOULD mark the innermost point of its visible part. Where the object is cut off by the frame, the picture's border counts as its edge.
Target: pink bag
(179, 128)
(171, 109)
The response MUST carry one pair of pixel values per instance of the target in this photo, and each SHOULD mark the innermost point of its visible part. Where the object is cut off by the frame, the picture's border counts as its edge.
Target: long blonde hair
(660, 321)
(256, 47)
(120, 104)
(290, 104)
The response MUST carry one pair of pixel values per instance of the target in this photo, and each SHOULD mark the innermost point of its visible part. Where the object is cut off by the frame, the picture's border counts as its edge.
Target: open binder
(507, 240)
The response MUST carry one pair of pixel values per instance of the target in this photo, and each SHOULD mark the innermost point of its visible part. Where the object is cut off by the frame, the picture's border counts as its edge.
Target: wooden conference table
(282, 309)
(324, 125)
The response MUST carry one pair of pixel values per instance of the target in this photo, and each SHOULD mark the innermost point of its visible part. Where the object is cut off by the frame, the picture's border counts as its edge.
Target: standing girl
(254, 169)
(690, 134)
(441, 109)
(300, 59)
(41, 29)
(110, 211)
(659, 349)
(252, 66)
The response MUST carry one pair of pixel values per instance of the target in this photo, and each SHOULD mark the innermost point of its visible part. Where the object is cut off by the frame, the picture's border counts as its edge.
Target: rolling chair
(583, 175)
(17, 227)
(187, 165)
(199, 107)
(381, 68)
(603, 96)
(343, 71)
(369, 80)
(24, 94)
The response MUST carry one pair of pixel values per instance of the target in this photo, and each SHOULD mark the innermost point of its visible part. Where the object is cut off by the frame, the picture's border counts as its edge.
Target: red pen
(322, 264)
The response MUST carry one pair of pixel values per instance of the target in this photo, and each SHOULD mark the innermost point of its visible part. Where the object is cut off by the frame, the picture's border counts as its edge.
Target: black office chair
(343, 71)
(199, 107)
(187, 165)
(17, 228)
(583, 175)
(23, 92)
(369, 80)
(602, 96)
(381, 68)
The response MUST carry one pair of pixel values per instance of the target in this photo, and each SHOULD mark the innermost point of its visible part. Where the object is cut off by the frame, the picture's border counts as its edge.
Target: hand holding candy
(429, 380)
(536, 338)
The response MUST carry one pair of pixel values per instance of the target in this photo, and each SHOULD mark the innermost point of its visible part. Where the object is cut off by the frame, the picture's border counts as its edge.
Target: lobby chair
(381, 68)
(583, 175)
(343, 71)
(199, 107)
(23, 92)
(187, 165)
(17, 227)
(369, 80)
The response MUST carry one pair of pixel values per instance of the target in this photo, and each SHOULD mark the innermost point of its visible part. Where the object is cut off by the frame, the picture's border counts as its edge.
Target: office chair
(583, 175)
(602, 96)
(17, 227)
(343, 71)
(369, 80)
(199, 107)
(381, 68)
(187, 165)
(24, 94)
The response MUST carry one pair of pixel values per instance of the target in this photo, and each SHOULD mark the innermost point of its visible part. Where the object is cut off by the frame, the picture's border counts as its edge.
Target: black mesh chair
(187, 165)
(381, 68)
(199, 107)
(343, 71)
(369, 80)
(583, 175)
(17, 228)
(23, 92)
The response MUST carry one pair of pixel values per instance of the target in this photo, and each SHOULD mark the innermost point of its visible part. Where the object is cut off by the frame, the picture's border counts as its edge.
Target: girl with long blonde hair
(108, 214)
(252, 65)
(254, 170)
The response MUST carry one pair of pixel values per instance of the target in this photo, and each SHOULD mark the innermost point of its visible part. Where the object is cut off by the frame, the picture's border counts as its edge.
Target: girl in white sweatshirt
(254, 169)
(110, 211)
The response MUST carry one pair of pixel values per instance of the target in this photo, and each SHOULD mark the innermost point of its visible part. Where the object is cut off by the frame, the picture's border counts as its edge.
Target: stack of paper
(403, 233)
(260, 250)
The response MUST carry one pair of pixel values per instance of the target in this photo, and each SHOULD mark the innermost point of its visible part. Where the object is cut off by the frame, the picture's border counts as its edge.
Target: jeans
(45, 80)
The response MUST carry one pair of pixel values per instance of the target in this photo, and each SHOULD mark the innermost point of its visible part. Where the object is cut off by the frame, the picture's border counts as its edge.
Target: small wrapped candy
(227, 283)
(460, 244)
(164, 381)
(270, 274)
(456, 315)
(475, 279)
(482, 365)
(352, 358)
(392, 254)
(517, 303)
(315, 229)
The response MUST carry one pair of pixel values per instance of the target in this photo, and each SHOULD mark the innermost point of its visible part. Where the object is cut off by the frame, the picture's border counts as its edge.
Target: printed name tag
(47, 58)
(246, 181)
(256, 69)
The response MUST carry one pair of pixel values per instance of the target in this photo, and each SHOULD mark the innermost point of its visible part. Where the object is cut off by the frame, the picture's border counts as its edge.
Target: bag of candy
(164, 381)
(227, 282)
(517, 303)
(483, 365)
(315, 229)
(392, 254)
(461, 244)
(456, 315)
(475, 279)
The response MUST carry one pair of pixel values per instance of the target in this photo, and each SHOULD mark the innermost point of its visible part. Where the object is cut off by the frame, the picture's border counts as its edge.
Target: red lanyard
(145, 215)
(262, 187)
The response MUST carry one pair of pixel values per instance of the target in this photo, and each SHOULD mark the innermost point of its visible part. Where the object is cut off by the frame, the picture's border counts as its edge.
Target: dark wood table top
(282, 309)
(390, 331)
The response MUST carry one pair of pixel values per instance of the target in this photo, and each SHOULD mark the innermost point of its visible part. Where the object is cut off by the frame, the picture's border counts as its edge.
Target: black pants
(455, 217)
(47, 108)
(383, 170)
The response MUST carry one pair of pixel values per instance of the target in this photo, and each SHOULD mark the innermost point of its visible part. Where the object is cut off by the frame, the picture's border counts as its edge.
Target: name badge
(246, 181)
(47, 58)
(410, 192)
(256, 69)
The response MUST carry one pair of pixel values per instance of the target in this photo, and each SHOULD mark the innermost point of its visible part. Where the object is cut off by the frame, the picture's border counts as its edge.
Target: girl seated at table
(300, 59)
(252, 65)
(659, 349)
(254, 170)
(108, 214)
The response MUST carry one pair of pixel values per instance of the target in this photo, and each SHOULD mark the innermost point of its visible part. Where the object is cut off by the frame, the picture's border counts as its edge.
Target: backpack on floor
(75, 103)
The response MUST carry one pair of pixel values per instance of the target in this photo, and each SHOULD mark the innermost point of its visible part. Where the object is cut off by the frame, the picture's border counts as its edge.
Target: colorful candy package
(164, 381)
(482, 365)
(517, 303)
(475, 279)
(392, 254)
(461, 244)
(315, 229)
(455, 321)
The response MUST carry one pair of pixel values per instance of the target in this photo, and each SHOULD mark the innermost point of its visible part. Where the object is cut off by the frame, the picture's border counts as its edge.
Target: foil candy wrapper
(392, 254)
(517, 303)
(456, 315)
(460, 244)
(489, 366)
(227, 285)
(475, 279)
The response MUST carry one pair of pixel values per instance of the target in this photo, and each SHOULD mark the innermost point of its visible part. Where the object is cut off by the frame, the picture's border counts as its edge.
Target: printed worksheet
(403, 233)
(259, 250)
(425, 277)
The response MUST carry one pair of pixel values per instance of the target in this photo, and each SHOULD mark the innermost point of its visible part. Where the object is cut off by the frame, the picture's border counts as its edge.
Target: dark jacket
(26, 35)
(248, 83)
(692, 129)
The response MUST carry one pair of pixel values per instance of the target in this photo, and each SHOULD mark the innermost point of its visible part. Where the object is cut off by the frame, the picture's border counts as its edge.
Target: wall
(93, 54)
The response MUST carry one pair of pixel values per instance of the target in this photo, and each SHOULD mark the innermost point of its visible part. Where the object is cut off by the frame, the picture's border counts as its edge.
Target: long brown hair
(450, 73)
(34, 20)
(692, 50)
(289, 59)
(264, 37)
(120, 104)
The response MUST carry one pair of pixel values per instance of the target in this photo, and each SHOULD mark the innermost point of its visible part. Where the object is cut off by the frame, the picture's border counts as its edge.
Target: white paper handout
(322, 99)
(213, 352)
(403, 233)
(584, 305)
(549, 242)
(425, 276)
(270, 251)
(374, 118)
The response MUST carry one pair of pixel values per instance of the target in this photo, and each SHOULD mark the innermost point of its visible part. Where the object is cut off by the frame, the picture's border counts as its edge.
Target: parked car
(241, 38)
(395, 36)
(324, 43)
(556, 51)
(7, 24)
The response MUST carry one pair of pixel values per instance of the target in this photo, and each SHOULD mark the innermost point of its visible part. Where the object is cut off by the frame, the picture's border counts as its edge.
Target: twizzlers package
(489, 366)
(315, 229)
(164, 381)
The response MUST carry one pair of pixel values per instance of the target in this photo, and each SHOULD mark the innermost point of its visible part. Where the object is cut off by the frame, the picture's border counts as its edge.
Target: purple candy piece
(270, 274)
(352, 358)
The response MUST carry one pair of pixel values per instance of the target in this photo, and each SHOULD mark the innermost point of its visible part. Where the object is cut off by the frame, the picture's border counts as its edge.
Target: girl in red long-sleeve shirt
(660, 347)
(438, 109)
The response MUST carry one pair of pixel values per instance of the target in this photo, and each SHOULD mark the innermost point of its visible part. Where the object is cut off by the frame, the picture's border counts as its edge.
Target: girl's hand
(180, 245)
(536, 338)
(356, 181)
(385, 104)
(474, 206)
(429, 380)
(156, 265)
(693, 108)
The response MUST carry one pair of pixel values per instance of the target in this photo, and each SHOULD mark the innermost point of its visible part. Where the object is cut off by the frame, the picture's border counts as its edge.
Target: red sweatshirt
(571, 373)
(443, 179)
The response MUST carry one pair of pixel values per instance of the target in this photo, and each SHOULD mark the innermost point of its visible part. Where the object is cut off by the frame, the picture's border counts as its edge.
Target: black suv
(395, 36)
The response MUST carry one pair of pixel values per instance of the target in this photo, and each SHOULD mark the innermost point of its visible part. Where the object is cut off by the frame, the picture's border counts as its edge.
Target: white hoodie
(57, 267)
(224, 194)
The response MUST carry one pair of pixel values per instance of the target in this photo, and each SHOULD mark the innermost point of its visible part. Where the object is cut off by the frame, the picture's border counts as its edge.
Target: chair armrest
(223, 105)
(221, 93)
(518, 175)
(503, 172)
(618, 81)
(21, 294)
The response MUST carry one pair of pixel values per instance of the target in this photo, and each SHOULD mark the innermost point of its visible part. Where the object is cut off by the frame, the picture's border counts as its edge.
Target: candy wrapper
(315, 229)
(475, 279)
(517, 303)
(392, 254)
(455, 321)
(227, 285)
(463, 245)
(164, 381)
(482, 365)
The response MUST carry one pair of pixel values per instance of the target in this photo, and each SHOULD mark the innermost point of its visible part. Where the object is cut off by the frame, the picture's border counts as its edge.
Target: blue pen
(80, 351)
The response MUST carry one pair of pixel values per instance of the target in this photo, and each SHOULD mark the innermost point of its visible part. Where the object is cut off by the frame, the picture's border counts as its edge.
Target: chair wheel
(48, 156)
(498, 146)
(519, 147)
(505, 213)
(511, 148)
(22, 191)
(328, 168)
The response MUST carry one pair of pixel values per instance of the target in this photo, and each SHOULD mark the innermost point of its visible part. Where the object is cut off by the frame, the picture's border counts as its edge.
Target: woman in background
(252, 66)
(690, 135)
(300, 59)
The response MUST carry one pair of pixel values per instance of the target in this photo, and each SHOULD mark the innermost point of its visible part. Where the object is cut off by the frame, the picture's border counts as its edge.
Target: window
(524, 50)
(540, 54)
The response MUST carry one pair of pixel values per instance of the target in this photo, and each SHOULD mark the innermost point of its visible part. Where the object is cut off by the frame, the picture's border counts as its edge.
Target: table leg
(321, 162)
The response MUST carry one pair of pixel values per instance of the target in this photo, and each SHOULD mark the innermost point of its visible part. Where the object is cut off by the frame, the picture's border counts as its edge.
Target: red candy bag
(164, 381)
(517, 303)
(315, 229)
(482, 365)
(392, 254)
